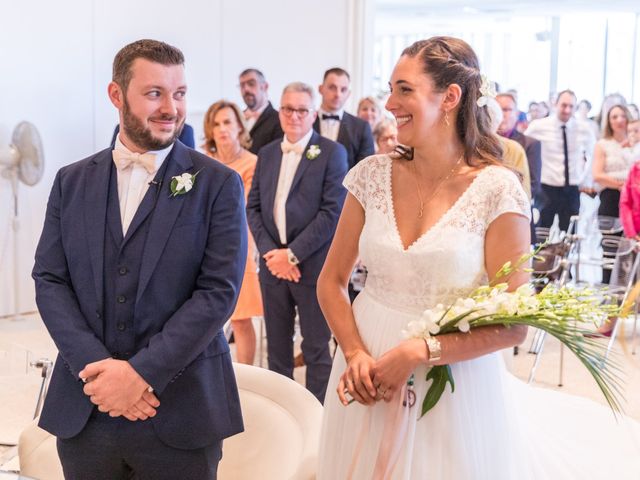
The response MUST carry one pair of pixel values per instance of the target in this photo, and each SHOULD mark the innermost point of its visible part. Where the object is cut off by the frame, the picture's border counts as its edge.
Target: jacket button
(98, 316)
(122, 270)
(121, 326)
(121, 298)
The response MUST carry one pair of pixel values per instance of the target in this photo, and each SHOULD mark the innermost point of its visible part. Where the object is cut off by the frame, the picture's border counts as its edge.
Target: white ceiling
(432, 8)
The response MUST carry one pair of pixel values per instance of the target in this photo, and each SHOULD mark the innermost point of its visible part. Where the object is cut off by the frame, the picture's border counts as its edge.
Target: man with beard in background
(262, 119)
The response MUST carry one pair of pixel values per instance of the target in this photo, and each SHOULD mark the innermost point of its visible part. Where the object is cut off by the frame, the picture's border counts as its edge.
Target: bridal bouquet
(560, 311)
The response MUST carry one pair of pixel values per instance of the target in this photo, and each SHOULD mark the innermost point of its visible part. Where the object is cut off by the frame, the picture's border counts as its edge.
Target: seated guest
(226, 140)
(534, 111)
(513, 155)
(186, 136)
(261, 118)
(532, 147)
(369, 110)
(336, 124)
(385, 135)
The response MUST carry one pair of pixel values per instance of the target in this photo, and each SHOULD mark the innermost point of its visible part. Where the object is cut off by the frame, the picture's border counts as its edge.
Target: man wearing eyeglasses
(262, 119)
(336, 124)
(293, 209)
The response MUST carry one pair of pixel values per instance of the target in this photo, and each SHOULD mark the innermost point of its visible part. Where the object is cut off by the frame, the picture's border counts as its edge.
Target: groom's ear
(116, 95)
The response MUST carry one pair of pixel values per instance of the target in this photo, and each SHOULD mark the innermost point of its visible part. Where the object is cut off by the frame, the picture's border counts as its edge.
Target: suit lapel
(165, 214)
(316, 124)
(271, 170)
(304, 162)
(262, 118)
(343, 130)
(96, 193)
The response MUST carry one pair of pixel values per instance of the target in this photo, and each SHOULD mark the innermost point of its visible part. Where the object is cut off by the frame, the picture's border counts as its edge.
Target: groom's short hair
(152, 50)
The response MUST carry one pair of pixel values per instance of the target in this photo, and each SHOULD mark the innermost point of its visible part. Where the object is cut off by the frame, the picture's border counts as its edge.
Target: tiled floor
(26, 339)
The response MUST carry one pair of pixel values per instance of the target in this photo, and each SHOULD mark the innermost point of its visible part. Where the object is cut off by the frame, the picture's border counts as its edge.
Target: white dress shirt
(580, 145)
(288, 167)
(330, 128)
(133, 183)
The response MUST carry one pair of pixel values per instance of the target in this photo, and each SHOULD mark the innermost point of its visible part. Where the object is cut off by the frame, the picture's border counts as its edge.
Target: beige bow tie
(289, 148)
(124, 160)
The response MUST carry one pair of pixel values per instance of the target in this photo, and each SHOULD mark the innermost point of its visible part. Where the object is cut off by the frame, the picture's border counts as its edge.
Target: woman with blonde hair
(369, 110)
(227, 140)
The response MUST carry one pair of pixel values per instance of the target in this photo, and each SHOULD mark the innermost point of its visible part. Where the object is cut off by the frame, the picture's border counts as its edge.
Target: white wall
(56, 59)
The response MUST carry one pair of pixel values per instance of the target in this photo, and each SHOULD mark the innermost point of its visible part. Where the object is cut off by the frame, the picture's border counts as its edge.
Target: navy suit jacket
(186, 136)
(312, 209)
(533, 149)
(190, 275)
(266, 129)
(355, 134)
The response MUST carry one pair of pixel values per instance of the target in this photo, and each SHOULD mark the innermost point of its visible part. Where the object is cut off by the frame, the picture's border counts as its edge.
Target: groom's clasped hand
(116, 388)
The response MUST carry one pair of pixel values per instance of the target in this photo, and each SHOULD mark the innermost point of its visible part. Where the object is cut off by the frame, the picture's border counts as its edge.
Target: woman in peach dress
(226, 139)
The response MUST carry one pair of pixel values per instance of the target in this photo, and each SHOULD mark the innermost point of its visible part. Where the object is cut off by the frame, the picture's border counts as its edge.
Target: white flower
(181, 184)
(487, 89)
(313, 152)
(185, 182)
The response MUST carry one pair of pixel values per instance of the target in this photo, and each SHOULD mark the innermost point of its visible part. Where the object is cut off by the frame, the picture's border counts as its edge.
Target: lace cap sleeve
(507, 195)
(356, 182)
(367, 181)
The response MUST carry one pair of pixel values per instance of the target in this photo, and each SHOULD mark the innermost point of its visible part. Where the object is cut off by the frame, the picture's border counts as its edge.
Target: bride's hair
(448, 60)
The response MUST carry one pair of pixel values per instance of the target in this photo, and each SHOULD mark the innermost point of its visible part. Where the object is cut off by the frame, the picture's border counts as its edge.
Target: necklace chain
(437, 187)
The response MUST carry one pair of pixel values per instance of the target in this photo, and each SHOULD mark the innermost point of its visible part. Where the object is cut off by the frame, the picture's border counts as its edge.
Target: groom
(135, 275)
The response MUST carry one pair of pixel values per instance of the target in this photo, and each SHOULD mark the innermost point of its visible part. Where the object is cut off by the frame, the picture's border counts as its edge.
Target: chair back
(282, 421)
(609, 225)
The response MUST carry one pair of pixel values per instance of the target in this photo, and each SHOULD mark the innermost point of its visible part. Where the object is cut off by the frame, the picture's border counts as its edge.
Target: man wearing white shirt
(567, 147)
(336, 124)
(138, 268)
(293, 208)
(261, 118)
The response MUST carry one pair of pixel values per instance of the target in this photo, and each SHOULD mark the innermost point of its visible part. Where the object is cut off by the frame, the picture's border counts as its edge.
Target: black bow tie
(326, 116)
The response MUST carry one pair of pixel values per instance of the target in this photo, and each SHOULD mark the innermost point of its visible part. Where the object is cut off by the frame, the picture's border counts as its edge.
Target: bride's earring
(446, 119)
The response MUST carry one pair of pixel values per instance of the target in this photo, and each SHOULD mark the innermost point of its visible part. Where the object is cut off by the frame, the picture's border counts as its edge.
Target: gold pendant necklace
(437, 187)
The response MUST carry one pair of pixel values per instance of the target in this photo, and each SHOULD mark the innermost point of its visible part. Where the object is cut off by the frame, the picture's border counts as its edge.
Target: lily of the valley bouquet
(563, 312)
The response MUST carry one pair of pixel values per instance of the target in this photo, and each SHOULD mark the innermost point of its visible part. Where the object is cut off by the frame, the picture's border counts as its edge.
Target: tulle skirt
(493, 427)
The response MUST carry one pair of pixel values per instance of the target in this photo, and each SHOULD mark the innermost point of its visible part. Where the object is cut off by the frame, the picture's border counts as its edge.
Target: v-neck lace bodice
(446, 261)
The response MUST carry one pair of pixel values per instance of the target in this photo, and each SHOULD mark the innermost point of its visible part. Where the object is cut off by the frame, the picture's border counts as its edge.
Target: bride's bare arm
(507, 239)
(333, 296)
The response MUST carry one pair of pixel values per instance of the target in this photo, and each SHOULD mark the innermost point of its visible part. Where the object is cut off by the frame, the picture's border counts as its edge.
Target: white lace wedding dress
(493, 427)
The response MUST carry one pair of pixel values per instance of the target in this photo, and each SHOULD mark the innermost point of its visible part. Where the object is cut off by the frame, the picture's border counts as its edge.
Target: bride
(431, 225)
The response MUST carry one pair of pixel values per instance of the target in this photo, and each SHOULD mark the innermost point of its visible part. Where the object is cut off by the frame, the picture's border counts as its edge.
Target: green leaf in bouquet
(441, 375)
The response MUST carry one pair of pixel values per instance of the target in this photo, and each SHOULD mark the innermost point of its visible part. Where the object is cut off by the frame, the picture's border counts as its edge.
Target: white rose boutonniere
(181, 184)
(313, 152)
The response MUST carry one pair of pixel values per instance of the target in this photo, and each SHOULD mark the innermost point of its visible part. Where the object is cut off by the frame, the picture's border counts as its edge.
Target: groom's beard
(141, 135)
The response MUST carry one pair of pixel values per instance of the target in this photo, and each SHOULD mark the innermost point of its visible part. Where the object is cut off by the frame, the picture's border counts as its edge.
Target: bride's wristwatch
(291, 257)
(434, 347)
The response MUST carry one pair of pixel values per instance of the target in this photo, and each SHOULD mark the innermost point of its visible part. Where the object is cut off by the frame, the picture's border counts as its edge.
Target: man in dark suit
(531, 146)
(293, 209)
(336, 124)
(137, 269)
(186, 136)
(262, 119)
